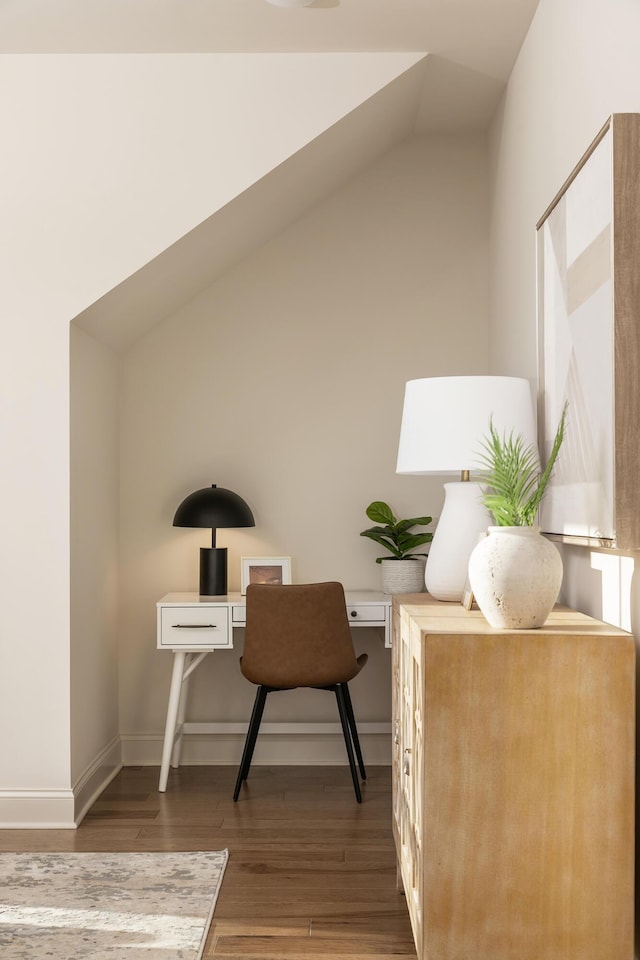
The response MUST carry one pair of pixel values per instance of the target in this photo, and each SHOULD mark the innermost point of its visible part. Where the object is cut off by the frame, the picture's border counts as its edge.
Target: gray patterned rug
(112, 906)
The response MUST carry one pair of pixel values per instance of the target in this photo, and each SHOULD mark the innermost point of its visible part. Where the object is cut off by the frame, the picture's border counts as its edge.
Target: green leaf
(403, 525)
(380, 512)
(512, 472)
(376, 534)
(555, 450)
(409, 542)
(387, 531)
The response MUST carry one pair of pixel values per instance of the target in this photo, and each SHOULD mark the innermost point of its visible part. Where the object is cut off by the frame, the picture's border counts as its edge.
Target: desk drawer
(365, 613)
(358, 614)
(239, 615)
(194, 626)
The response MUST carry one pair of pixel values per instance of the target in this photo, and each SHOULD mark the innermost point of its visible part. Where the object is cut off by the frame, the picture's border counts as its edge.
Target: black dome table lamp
(213, 507)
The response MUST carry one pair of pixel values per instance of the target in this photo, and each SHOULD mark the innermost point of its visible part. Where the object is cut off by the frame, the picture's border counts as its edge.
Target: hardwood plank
(368, 873)
(291, 948)
(97, 839)
(270, 928)
(397, 931)
(373, 910)
(268, 830)
(306, 809)
(371, 851)
(111, 814)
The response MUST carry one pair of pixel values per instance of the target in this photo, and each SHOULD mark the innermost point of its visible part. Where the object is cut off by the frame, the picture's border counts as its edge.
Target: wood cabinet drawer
(194, 626)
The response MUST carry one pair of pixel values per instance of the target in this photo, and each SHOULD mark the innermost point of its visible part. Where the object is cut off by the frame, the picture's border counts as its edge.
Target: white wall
(105, 162)
(579, 64)
(34, 566)
(284, 382)
(95, 747)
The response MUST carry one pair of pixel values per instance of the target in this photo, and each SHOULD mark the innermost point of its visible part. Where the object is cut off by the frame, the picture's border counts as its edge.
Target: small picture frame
(275, 570)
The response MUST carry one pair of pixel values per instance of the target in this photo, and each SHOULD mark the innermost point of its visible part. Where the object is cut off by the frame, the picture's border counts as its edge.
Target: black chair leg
(354, 730)
(344, 720)
(252, 736)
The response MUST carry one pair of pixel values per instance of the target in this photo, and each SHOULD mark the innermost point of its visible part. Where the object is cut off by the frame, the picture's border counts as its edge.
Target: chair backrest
(298, 635)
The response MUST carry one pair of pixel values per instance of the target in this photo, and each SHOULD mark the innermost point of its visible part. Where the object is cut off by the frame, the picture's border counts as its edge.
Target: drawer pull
(354, 613)
(407, 762)
(194, 626)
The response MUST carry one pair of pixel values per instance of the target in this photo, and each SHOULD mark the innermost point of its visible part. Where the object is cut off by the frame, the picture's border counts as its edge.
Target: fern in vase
(511, 470)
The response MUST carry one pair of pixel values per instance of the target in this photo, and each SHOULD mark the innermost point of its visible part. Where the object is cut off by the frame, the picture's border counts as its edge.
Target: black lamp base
(213, 571)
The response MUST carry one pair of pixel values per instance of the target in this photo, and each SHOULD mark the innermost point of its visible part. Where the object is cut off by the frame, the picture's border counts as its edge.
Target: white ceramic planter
(403, 576)
(515, 574)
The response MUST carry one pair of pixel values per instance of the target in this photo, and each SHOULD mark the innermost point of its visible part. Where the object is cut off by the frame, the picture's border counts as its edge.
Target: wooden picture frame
(588, 259)
(264, 570)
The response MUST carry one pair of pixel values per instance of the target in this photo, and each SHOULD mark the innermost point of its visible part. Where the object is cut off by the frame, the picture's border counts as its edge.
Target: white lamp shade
(445, 419)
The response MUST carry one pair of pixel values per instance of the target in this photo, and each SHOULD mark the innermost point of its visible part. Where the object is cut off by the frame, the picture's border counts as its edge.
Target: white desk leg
(182, 709)
(172, 716)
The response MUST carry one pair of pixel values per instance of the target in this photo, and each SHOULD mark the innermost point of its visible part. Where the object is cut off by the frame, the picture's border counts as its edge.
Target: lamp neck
(213, 538)
(465, 476)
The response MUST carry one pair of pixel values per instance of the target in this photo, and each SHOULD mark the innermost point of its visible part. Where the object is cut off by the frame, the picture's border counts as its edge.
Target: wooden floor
(311, 873)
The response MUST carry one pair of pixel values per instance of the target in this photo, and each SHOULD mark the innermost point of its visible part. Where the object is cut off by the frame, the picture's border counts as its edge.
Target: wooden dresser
(513, 784)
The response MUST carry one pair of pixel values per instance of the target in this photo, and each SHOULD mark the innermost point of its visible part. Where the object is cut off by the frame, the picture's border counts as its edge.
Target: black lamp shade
(213, 507)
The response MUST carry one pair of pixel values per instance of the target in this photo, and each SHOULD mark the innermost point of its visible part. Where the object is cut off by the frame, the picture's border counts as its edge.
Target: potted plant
(515, 573)
(403, 571)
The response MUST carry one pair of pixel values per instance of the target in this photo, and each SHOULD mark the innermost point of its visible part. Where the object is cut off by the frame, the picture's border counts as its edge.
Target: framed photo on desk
(264, 570)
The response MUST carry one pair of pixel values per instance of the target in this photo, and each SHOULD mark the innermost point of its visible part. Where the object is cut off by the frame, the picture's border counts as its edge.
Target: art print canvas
(576, 332)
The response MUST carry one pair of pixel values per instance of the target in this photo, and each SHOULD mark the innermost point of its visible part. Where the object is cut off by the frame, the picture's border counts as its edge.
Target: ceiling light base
(290, 3)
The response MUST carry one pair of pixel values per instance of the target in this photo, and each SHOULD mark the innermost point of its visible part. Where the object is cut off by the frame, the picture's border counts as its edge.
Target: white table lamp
(444, 421)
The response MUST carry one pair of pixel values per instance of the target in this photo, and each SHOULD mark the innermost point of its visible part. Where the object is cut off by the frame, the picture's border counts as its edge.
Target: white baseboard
(60, 809)
(39, 809)
(96, 777)
(278, 744)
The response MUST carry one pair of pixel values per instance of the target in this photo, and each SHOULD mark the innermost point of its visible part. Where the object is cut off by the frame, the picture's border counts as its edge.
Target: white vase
(403, 576)
(515, 574)
(463, 518)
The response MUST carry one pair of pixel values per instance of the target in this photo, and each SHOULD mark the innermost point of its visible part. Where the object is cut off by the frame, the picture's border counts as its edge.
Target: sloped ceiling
(470, 48)
(192, 263)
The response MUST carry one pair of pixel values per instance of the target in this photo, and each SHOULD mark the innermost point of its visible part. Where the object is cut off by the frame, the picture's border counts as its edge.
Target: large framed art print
(588, 256)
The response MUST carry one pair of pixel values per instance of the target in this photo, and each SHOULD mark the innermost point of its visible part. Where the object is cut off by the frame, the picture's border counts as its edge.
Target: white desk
(192, 627)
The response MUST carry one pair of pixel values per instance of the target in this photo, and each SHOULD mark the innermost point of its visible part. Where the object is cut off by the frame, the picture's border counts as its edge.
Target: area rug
(112, 906)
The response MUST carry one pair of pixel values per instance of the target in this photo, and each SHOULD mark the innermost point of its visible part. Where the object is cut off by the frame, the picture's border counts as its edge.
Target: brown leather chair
(298, 636)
